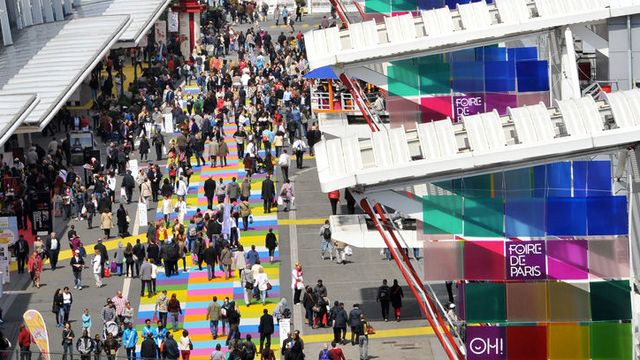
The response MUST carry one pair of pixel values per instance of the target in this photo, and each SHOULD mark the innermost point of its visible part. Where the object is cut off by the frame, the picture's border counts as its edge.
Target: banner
(284, 329)
(486, 343)
(466, 105)
(168, 123)
(133, 167)
(172, 19)
(42, 212)
(161, 32)
(8, 230)
(5, 258)
(142, 214)
(526, 260)
(35, 323)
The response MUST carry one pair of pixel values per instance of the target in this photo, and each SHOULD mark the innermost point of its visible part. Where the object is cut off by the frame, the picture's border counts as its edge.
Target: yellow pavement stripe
(308, 221)
(109, 244)
(380, 334)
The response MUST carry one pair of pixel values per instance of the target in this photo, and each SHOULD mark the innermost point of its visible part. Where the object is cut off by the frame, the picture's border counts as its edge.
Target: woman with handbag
(57, 309)
(34, 266)
(364, 330)
(247, 281)
(185, 345)
(297, 283)
(309, 303)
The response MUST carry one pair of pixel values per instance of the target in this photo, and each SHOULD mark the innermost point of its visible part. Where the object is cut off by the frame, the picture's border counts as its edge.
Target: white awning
(60, 66)
(144, 13)
(13, 110)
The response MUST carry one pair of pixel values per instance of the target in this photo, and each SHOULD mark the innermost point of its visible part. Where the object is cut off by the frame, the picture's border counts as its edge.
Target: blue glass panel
(566, 216)
(495, 54)
(580, 178)
(539, 181)
(500, 76)
(466, 55)
(430, 4)
(559, 179)
(532, 76)
(468, 76)
(452, 3)
(599, 178)
(524, 217)
(607, 215)
(517, 183)
(523, 53)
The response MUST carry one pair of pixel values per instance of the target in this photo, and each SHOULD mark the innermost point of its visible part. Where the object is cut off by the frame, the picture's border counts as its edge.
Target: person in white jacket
(96, 264)
(262, 283)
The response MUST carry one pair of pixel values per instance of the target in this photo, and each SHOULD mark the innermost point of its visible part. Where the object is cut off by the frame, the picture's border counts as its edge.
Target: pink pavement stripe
(200, 331)
(204, 292)
(197, 311)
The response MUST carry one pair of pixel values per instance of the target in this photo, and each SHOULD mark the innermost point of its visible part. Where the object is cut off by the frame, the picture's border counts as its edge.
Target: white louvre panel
(446, 137)
(322, 161)
(370, 30)
(381, 149)
(437, 22)
(407, 26)
(67, 59)
(353, 156)
(428, 140)
(399, 146)
(590, 115)
(13, 109)
(144, 13)
(488, 150)
(333, 40)
(475, 15)
(394, 32)
(513, 11)
(622, 113)
(335, 157)
(356, 35)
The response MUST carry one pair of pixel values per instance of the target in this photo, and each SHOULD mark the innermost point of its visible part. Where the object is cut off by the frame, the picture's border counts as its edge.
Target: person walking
(299, 147)
(247, 280)
(354, 322)
(57, 308)
(22, 253)
(67, 341)
(148, 349)
(336, 352)
(145, 277)
(383, 298)
(217, 354)
(24, 342)
(338, 316)
(53, 249)
(266, 328)
(119, 258)
(245, 213)
(271, 243)
(297, 282)
(334, 199)
(161, 308)
(77, 265)
(363, 339)
(210, 191)
(225, 261)
(268, 193)
(176, 310)
(34, 265)
(84, 345)
(67, 300)
(326, 246)
(170, 348)
(96, 265)
(262, 283)
(210, 256)
(110, 347)
(185, 345)
(213, 316)
(288, 195)
(129, 340)
(106, 223)
(284, 161)
(223, 151)
(396, 296)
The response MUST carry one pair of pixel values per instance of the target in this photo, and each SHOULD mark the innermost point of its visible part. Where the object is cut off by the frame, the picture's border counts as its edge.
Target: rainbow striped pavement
(194, 290)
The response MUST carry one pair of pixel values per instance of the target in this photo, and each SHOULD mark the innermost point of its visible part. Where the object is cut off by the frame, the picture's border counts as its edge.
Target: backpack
(192, 231)
(326, 233)
(325, 355)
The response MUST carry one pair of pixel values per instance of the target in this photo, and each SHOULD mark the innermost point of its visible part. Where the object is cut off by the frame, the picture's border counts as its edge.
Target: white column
(47, 10)
(4, 24)
(183, 29)
(57, 9)
(25, 11)
(571, 81)
(67, 7)
(36, 12)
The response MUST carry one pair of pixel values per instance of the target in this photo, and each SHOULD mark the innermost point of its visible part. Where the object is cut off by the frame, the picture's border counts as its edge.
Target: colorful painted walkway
(194, 290)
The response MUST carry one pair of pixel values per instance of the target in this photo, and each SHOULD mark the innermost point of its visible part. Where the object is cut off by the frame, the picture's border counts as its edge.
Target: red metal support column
(340, 10)
(364, 204)
(357, 98)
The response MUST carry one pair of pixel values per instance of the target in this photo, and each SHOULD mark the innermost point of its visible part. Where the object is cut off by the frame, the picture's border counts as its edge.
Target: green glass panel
(483, 217)
(611, 341)
(442, 214)
(377, 6)
(434, 78)
(402, 78)
(485, 302)
(431, 59)
(404, 5)
(477, 186)
(610, 300)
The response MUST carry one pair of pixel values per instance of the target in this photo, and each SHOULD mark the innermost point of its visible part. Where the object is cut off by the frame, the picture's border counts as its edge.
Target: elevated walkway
(482, 143)
(443, 30)
(359, 231)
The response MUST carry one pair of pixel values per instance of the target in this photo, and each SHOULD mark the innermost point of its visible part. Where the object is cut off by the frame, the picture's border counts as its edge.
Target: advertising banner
(486, 343)
(8, 230)
(173, 23)
(42, 213)
(142, 214)
(525, 260)
(35, 323)
(466, 105)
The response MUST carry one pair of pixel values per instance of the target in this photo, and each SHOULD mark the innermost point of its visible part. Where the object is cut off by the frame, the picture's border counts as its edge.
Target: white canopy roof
(61, 65)
(443, 30)
(144, 14)
(13, 109)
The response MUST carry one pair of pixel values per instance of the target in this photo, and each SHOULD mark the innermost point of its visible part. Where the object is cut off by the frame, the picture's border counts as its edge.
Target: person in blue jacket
(129, 340)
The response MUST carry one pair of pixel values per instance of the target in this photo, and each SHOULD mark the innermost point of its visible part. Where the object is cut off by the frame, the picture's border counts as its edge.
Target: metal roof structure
(61, 65)
(13, 110)
(482, 144)
(144, 13)
(441, 30)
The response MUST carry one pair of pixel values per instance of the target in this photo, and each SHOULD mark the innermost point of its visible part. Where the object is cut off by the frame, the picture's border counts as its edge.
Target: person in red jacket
(24, 340)
(336, 352)
(334, 198)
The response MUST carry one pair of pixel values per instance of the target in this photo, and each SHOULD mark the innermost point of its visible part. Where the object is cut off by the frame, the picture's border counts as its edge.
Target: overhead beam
(587, 35)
